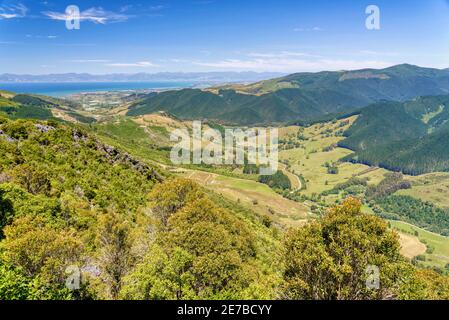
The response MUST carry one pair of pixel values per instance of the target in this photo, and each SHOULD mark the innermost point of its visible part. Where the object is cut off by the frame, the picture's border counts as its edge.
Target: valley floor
(256, 196)
(306, 154)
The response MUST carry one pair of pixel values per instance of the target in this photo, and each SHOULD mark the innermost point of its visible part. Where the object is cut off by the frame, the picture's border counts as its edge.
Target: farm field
(440, 255)
(310, 159)
(257, 196)
(411, 246)
(313, 169)
(433, 187)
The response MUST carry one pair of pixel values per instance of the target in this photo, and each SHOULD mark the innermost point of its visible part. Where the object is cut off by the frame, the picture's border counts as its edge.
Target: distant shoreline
(62, 89)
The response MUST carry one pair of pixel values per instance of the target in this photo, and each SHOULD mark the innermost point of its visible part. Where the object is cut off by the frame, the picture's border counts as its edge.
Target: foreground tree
(334, 257)
(200, 251)
(34, 256)
(425, 284)
(113, 253)
(6, 211)
(33, 178)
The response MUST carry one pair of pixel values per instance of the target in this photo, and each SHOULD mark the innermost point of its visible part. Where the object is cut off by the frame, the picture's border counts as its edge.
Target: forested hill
(301, 96)
(31, 106)
(67, 200)
(412, 137)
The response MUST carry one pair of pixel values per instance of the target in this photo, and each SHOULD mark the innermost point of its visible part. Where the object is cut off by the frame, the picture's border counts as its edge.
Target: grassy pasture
(133, 138)
(310, 159)
(432, 187)
(256, 196)
(440, 256)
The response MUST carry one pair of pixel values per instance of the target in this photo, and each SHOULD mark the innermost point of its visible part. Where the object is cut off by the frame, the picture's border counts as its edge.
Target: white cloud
(307, 29)
(140, 64)
(89, 61)
(282, 54)
(41, 37)
(126, 8)
(156, 8)
(9, 42)
(8, 15)
(95, 14)
(378, 53)
(13, 11)
(286, 64)
(177, 60)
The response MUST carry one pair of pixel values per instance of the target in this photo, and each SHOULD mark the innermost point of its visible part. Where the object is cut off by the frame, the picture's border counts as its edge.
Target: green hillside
(412, 137)
(25, 106)
(30, 100)
(301, 96)
(382, 123)
(30, 106)
(68, 199)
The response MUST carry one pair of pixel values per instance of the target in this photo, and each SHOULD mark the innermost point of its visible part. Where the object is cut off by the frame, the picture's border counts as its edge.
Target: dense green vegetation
(412, 137)
(56, 183)
(382, 123)
(128, 135)
(333, 246)
(27, 111)
(81, 118)
(180, 242)
(301, 96)
(68, 199)
(5, 103)
(385, 203)
(24, 106)
(417, 212)
(29, 100)
(353, 186)
(199, 251)
(276, 181)
(389, 185)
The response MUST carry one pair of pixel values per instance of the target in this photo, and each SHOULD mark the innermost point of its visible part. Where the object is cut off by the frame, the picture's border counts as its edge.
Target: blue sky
(220, 35)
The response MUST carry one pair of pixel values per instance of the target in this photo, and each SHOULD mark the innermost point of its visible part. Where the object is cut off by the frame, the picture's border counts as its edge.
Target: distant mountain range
(410, 136)
(213, 77)
(300, 96)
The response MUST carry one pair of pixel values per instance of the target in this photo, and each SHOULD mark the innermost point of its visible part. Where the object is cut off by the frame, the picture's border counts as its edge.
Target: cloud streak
(13, 11)
(30, 36)
(96, 15)
(291, 64)
(140, 64)
(283, 54)
(307, 29)
(89, 61)
(378, 53)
